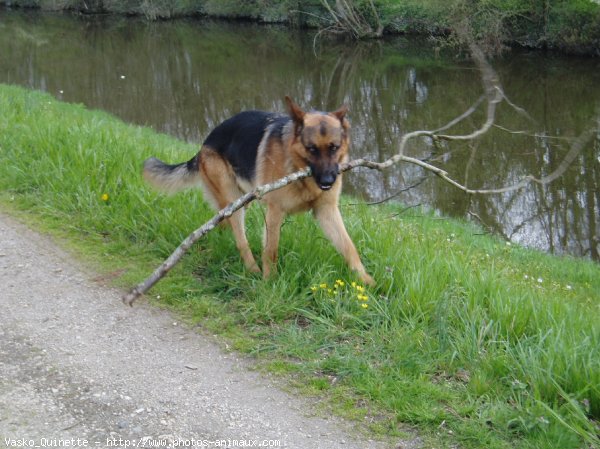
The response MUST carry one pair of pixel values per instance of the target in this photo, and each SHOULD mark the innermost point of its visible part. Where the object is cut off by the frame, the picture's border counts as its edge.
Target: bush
(574, 26)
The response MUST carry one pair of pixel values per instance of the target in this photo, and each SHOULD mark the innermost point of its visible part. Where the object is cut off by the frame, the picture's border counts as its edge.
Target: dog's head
(321, 140)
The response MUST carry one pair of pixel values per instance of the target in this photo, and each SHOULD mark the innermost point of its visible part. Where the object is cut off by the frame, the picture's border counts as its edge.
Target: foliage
(574, 25)
(564, 24)
(476, 342)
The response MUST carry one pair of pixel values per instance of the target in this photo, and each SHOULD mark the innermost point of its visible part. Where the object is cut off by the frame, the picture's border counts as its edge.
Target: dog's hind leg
(273, 221)
(239, 232)
(220, 189)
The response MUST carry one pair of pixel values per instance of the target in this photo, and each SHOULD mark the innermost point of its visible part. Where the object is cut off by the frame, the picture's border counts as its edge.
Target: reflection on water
(184, 77)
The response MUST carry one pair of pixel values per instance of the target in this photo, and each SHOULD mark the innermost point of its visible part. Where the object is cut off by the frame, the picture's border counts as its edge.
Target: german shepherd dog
(254, 148)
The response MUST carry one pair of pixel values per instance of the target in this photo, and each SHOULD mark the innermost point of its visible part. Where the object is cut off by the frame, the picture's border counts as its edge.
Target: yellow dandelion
(330, 291)
(360, 288)
(364, 305)
(339, 283)
(353, 284)
(104, 197)
(363, 297)
(314, 288)
(323, 286)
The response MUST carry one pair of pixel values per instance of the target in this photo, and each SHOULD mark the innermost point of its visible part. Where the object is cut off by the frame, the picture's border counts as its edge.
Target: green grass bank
(469, 340)
(568, 25)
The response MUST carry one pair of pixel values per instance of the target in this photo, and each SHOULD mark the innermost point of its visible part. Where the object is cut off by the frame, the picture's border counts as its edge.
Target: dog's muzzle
(325, 176)
(326, 181)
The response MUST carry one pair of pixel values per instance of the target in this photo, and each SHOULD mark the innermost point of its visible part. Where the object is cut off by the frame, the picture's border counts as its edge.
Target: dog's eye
(333, 148)
(313, 150)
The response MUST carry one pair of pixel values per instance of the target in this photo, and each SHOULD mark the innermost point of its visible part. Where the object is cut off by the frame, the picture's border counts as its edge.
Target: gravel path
(76, 364)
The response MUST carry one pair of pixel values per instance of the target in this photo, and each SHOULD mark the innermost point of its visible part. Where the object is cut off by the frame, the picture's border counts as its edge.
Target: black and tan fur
(254, 148)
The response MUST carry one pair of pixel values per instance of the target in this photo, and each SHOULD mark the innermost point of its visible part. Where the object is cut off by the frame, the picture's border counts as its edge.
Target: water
(186, 76)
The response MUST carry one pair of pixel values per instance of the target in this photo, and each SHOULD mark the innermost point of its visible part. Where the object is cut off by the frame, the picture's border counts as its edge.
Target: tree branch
(493, 94)
(260, 191)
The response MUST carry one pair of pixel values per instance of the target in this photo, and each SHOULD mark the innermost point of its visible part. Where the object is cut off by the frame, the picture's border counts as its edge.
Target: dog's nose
(327, 180)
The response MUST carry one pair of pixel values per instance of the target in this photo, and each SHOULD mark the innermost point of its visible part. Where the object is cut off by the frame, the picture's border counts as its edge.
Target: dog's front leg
(273, 222)
(330, 219)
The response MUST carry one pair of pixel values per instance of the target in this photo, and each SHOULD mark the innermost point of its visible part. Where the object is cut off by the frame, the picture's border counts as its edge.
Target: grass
(469, 340)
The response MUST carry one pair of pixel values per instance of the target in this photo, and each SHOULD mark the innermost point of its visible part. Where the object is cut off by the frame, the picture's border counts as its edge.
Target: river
(183, 77)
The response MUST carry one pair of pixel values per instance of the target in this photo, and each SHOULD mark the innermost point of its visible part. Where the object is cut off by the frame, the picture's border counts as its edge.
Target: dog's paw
(253, 268)
(367, 279)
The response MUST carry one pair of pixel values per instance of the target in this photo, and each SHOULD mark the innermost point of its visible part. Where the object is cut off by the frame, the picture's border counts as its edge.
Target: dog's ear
(296, 112)
(340, 113)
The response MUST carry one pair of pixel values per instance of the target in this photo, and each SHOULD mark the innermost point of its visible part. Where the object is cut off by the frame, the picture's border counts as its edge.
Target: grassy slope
(467, 338)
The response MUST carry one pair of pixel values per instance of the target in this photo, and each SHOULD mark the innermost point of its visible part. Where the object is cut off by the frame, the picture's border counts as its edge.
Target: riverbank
(565, 25)
(468, 339)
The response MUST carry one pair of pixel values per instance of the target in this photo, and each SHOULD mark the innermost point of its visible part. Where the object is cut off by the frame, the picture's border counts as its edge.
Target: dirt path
(76, 363)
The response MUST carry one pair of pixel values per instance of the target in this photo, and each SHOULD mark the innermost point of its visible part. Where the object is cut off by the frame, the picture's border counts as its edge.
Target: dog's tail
(172, 178)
